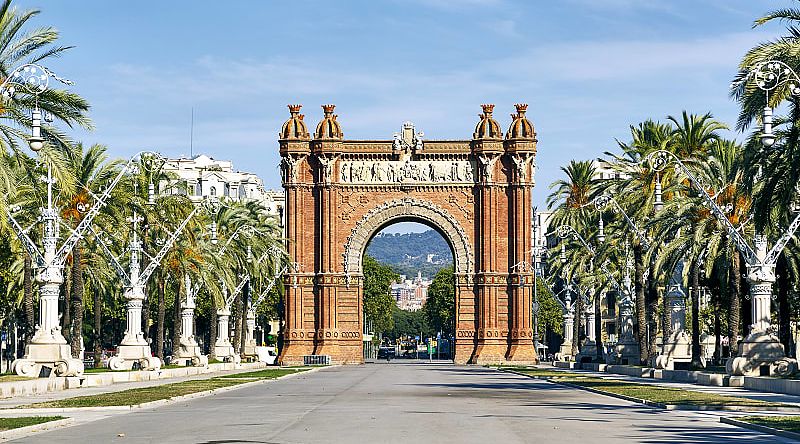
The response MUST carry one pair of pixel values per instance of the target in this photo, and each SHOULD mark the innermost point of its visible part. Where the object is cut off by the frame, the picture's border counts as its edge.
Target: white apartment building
(202, 176)
(411, 295)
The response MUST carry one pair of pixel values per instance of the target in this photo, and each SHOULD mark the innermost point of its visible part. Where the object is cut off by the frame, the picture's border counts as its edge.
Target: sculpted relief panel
(407, 171)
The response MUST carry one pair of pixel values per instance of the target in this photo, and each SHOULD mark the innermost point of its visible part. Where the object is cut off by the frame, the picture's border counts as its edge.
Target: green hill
(410, 253)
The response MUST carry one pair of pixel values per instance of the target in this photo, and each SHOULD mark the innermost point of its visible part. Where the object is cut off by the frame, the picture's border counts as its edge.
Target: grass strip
(268, 373)
(25, 421)
(14, 378)
(652, 393)
(788, 423)
(159, 392)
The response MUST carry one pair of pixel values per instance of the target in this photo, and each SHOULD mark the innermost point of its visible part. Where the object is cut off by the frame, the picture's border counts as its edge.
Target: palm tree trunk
(652, 309)
(696, 350)
(76, 342)
(237, 322)
(784, 321)
(146, 303)
(212, 328)
(176, 315)
(27, 290)
(98, 326)
(66, 319)
(160, 321)
(717, 333)
(245, 298)
(734, 312)
(576, 327)
(641, 306)
(598, 325)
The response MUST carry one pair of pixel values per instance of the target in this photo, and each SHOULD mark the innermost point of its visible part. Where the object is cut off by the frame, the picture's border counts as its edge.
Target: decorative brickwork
(476, 193)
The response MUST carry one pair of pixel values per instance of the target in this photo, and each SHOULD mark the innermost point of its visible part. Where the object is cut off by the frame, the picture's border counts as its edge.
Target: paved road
(405, 403)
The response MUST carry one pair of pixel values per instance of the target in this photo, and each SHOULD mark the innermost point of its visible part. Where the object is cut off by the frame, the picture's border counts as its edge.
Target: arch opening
(417, 318)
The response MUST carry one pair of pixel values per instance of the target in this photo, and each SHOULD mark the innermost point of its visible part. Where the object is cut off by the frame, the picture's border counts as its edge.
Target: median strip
(653, 395)
(144, 395)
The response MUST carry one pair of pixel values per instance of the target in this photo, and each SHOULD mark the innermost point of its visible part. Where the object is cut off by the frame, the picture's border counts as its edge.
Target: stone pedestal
(627, 349)
(678, 346)
(48, 351)
(250, 340)
(134, 351)
(589, 347)
(188, 351)
(565, 353)
(761, 353)
(223, 349)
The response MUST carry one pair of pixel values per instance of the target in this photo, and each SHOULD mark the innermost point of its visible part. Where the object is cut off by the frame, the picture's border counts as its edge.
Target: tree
(440, 307)
(378, 301)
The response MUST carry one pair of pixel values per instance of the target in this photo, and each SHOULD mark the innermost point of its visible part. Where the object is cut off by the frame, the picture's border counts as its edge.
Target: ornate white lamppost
(188, 351)
(761, 351)
(134, 351)
(47, 351)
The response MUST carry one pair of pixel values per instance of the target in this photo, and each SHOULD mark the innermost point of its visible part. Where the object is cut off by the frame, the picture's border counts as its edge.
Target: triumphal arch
(476, 193)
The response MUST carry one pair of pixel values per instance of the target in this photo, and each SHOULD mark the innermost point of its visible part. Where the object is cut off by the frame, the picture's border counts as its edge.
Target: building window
(227, 190)
(212, 191)
(198, 189)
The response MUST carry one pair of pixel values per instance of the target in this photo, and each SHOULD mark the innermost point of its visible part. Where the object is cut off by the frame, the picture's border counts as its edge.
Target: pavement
(404, 402)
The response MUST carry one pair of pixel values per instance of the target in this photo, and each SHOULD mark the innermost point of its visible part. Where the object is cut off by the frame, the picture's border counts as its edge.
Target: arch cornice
(407, 207)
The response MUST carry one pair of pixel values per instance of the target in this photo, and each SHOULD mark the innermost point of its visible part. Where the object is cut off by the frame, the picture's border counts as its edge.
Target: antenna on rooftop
(191, 136)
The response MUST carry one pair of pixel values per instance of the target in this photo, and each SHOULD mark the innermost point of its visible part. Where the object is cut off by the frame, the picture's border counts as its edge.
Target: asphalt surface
(405, 403)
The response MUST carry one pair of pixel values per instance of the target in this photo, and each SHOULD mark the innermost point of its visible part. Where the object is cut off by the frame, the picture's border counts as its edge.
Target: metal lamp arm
(610, 277)
(151, 267)
(772, 256)
(29, 245)
(114, 262)
(271, 284)
(77, 234)
(661, 158)
(642, 238)
(564, 231)
(237, 290)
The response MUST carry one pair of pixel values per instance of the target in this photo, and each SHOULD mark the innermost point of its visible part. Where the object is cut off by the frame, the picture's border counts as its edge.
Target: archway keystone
(476, 193)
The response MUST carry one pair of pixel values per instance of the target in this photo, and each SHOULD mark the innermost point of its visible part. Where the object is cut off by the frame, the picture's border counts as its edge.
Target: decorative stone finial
(294, 109)
(488, 109)
(521, 108)
(328, 109)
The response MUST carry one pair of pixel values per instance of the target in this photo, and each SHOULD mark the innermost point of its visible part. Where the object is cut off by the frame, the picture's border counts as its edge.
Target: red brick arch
(339, 193)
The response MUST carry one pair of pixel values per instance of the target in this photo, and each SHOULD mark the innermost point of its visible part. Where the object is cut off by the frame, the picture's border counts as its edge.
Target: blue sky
(588, 69)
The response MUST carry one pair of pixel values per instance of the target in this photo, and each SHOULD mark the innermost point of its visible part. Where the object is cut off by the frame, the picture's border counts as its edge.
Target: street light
(761, 348)
(48, 348)
(768, 76)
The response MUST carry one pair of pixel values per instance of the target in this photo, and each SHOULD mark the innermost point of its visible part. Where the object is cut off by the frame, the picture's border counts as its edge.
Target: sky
(587, 68)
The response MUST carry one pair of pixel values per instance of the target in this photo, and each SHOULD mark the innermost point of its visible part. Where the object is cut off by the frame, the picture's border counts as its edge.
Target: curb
(760, 428)
(160, 402)
(658, 405)
(22, 432)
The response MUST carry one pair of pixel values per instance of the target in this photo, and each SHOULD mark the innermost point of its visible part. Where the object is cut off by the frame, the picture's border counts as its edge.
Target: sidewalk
(10, 403)
(739, 392)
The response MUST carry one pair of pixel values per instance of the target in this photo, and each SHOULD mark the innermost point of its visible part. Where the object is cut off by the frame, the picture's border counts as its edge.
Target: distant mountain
(410, 253)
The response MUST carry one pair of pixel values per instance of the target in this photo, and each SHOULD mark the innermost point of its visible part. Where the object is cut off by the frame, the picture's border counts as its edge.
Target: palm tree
(91, 170)
(634, 187)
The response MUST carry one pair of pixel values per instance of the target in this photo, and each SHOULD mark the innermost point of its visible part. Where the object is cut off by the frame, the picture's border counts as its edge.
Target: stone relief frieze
(407, 171)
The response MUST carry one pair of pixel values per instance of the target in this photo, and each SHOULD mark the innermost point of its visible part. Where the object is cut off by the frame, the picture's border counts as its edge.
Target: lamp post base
(761, 354)
(588, 352)
(134, 355)
(189, 354)
(626, 352)
(42, 359)
(565, 352)
(678, 348)
(223, 350)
